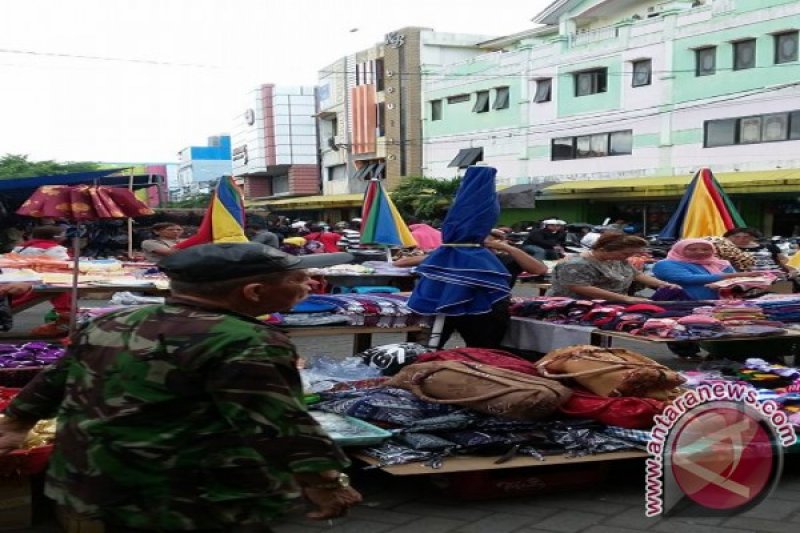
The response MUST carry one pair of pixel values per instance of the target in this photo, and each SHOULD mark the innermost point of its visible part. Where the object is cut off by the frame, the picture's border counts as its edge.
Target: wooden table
(469, 463)
(42, 293)
(362, 336)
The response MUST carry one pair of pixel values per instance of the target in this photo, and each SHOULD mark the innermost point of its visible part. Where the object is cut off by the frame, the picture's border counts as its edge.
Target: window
(481, 102)
(720, 132)
(794, 125)
(436, 110)
(543, 90)
(755, 129)
(379, 74)
(596, 145)
(744, 54)
(457, 99)
(786, 47)
(591, 82)
(381, 122)
(750, 130)
(705, 61)
(642, 73)
(774, 127)
(563, 148)
(500, 98)
(620, 143)
(358, 74)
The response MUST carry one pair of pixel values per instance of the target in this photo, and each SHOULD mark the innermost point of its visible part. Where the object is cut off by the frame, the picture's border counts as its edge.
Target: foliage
(198, 200)
(425, 198)
(19, 166)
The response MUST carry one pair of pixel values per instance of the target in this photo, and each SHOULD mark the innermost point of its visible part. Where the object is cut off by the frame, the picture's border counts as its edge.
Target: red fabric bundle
(623, 411)
(485, 356)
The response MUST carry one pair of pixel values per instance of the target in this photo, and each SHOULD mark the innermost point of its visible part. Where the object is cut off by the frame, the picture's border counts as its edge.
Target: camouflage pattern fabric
(177, 417)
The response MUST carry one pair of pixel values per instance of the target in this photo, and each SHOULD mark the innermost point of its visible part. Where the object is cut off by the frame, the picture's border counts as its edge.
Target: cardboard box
(16, 502)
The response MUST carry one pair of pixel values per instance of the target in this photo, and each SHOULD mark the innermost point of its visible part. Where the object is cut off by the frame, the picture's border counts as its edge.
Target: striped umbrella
(381, 222)
(224, 218)
(704, 211)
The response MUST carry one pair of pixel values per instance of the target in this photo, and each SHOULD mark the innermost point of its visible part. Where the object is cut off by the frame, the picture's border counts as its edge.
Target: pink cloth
(427, 238)
(713, 264)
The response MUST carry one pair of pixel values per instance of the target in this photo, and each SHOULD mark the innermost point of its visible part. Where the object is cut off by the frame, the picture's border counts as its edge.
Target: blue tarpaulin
(19, 189)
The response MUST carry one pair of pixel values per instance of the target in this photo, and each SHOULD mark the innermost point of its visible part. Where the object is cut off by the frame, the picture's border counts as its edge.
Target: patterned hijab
(713, 264)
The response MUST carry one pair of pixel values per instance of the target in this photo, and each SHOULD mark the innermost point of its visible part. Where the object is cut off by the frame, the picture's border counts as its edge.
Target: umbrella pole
(436, 332)
(389, 255)
(73, 303)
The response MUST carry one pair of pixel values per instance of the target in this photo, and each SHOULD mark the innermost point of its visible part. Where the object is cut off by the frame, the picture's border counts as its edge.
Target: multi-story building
(370, 116)
(200, 167)
(274, 144)
(642, 93)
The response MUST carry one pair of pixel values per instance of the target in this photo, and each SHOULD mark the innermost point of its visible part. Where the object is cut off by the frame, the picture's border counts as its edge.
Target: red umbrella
(82, 203)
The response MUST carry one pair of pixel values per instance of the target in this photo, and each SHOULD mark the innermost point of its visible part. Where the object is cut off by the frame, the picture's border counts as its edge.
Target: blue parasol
(462, 277)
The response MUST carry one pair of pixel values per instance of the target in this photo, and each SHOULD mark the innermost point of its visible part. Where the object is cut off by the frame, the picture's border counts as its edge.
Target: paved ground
(418, 504)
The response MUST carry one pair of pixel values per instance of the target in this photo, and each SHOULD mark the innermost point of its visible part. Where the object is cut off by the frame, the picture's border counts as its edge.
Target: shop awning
(766, 181)
(466, 157)
(310, 202)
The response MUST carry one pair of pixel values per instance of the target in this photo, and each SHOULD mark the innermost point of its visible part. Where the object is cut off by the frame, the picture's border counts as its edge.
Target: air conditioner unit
(389, 73)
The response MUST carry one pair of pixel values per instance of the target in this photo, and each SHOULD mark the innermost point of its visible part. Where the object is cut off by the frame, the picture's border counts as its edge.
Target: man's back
(169, 416)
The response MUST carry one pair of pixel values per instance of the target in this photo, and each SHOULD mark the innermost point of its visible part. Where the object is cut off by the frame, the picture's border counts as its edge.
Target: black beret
(216, 262)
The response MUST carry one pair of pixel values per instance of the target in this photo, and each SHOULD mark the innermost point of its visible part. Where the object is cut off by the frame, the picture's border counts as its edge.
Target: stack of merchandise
(32, 458)
(370, 310)
(781, 308)
(488, 402)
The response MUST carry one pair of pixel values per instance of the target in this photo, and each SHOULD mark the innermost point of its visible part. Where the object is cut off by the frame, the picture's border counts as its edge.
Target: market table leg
(362, 342)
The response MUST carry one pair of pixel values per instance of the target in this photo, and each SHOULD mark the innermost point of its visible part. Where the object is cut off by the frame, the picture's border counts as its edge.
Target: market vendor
(604, 273)
(167, 236)
(692, 264)
(188, 415)
(7, 290)
(766, 257)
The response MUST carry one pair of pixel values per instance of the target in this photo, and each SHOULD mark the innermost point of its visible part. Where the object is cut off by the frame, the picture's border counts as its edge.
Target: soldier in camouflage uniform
(189, 415)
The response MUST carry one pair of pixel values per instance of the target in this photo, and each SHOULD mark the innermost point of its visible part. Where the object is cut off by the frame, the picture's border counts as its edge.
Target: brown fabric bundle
(484, 388)
(611, 371)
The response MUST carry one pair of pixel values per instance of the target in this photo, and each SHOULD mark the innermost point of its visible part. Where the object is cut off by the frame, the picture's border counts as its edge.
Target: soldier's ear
(252, 292)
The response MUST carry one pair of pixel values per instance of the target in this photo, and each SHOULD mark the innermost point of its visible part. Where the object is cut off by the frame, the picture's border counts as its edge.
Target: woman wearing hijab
(691, 263)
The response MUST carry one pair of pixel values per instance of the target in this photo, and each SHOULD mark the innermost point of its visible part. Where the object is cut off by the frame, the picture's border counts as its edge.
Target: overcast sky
(191, 63)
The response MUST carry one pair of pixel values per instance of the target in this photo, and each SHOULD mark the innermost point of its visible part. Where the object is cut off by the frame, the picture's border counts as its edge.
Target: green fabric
(177, 417)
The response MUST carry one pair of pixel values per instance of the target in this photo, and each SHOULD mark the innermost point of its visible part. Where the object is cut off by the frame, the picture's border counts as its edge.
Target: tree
(198, 200)
(425, 198)
(19, 166)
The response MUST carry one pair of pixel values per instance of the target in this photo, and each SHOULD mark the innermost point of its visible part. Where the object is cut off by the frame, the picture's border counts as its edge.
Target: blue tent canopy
(17, 190)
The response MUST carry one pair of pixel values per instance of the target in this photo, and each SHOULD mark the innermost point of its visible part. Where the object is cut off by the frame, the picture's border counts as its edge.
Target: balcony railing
(583, 38)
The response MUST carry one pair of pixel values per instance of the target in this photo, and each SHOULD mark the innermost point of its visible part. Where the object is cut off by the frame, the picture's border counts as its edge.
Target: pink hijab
(713, 264)
(427, 237)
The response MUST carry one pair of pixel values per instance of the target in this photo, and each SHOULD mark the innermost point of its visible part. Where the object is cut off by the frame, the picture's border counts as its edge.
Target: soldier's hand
(331, 503)
(12, 435)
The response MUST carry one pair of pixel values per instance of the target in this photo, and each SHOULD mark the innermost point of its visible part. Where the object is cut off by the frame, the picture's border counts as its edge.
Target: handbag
(611, 371)
(624, 411)
(484, 388)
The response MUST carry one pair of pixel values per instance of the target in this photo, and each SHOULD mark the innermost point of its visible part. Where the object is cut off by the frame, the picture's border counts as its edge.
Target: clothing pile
(490, 402)
(743, 287)
(371, 310)
(680, 320)
(780, 308)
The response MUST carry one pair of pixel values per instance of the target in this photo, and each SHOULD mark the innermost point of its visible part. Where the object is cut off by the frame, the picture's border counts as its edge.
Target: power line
(105, 58)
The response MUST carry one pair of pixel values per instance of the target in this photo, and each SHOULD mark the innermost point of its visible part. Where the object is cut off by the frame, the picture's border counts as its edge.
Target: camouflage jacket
(177, 417)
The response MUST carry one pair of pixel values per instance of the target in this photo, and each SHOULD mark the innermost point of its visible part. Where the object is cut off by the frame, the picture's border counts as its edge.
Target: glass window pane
(744, 54)
(436, 110)
(562, 149)
(775, 127)
(583, 146)
(750, 130)
(583, 84)
(543, 90)
(721, 132)
(457, 99)
(794, 124)
(641, 73)
(501, 98)
(786, 47)
(706, 59)
(481, 102)
(600, 145)
(621, 142)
